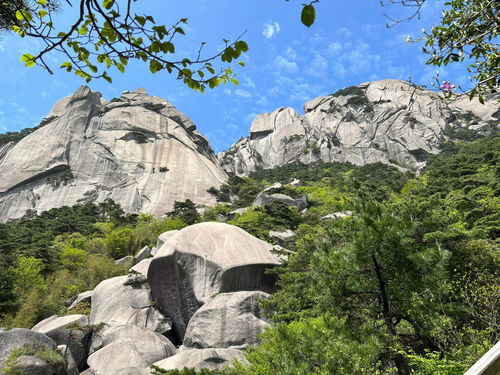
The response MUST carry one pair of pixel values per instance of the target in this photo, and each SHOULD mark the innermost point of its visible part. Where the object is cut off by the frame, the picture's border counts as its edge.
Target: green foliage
(434, 364)
(255, 221)
(17, 136)
(187, 371)
(323, 345)
(42, 352)
(467, 32)
(185, 211)
(103, 37)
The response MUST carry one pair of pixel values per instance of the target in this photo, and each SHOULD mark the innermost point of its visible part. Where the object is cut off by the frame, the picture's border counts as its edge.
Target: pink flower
(447, 87)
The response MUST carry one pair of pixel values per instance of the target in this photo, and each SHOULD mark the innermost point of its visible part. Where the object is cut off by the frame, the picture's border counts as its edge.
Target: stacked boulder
(195, 303)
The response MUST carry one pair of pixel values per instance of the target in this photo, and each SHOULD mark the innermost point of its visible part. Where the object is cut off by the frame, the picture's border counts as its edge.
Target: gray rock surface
(212, 359)
(205, 259)
(81, 297)
(70, 330)
(283, 237)
(31, 365)
(138, 150)
(228, 320)
(141, 267)
(151, 345)
(336, 215)
(264, 198)
(115, 303)
(130, 371)
(162, 238)
(388, 121)
(18, 337)
(115, 356)
(125, 262)
(71, 365)
(142, 254)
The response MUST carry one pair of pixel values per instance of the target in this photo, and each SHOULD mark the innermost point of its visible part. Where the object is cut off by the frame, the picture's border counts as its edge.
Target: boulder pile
(195, 304)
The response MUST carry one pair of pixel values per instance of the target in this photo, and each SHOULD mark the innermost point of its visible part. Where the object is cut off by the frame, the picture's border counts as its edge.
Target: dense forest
(410, 280)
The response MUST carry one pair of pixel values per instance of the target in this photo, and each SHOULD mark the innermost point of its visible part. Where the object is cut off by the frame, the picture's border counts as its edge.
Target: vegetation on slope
(409, 281)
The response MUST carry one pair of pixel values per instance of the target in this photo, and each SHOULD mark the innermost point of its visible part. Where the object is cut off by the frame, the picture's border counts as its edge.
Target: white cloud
(271, 29)
(282, 64)
(247, 82)
(227, 92)
(318, 67)
(243, 93)
(262, 101)
(334, 47)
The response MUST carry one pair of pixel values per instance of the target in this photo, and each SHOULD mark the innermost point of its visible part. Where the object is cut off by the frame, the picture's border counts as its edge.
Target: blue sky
(287, 64)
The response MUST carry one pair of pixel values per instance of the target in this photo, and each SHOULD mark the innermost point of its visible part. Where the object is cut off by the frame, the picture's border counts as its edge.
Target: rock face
(228, 320)
(70, 330)
(138, 150)
(17, 337)
(205, 259)
(388, 121)
(115, 303)
(212, 359)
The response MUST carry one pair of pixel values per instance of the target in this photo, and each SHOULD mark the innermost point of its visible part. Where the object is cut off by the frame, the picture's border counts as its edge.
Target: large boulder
(264, 198)
(70, 330)
(116, 303)
(151, 345)
(228, 320)
(142, 254)
(212, 359)
(282, 237)
(205, 259)
(116, 356)
(83, 297)
(18, 337)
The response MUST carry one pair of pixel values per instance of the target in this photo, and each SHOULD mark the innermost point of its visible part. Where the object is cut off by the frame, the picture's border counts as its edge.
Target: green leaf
(241, 63)
(108, 3)
(67, 65)
(140, 20)
(155, 66)
(241, 46)
(308, 15)
(28, 60)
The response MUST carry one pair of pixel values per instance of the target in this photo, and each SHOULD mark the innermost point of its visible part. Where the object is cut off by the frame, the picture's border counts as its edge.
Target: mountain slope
(388, 121)
(137, 150)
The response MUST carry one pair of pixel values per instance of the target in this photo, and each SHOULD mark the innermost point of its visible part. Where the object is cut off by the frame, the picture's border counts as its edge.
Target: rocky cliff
(138, 150)
(388, 121)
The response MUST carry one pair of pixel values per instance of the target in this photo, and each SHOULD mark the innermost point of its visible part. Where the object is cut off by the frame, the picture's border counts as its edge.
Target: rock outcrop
(205, 259)
(228, 320)
(212, 359)
(72, 331)
(388, 121)
(118, 302)
(138, 150)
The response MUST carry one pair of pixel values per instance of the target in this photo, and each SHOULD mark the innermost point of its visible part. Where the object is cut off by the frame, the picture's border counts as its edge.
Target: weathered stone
(142, 254)
(162, 238)
(81, 297)
(115, 303)
(71, 365)
(239, 211)
(125, 262)
(31, 365)
(115, 356)
(388, 121)
(205, 259)
(138, 150)
(71, 330)
(141, 267)
(263, 198)
(336, 215)
(151, 345)
(18, 337)
(212, 359)
(130, 371)
(283, 237)
(228, 320)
